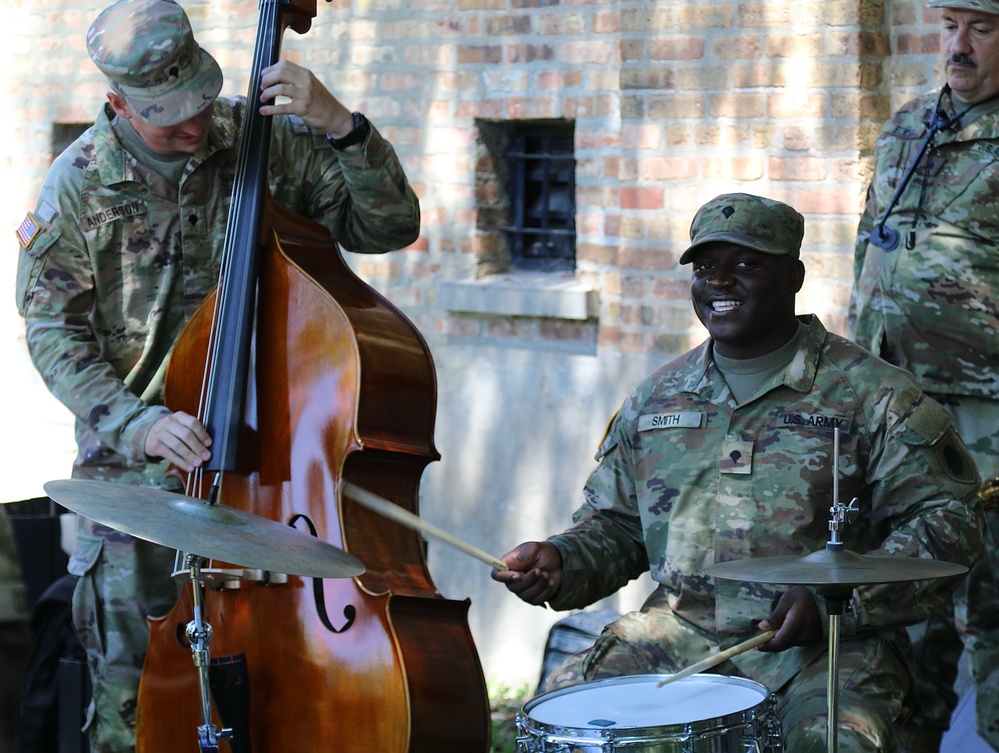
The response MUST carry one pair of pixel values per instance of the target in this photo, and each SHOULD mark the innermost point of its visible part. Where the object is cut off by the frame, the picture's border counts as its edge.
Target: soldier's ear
(119, 105)
(797, 275)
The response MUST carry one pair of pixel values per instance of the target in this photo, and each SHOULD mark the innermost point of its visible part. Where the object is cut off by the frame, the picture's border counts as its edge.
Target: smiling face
(969, 40)
(745, 298)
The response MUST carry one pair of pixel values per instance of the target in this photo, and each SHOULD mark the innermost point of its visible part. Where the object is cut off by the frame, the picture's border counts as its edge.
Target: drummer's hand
(535, 573)
(307, 96)
(179, 438)
(796, 619)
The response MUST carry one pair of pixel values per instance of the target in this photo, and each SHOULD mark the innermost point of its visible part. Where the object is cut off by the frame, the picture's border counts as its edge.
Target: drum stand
(199, 635)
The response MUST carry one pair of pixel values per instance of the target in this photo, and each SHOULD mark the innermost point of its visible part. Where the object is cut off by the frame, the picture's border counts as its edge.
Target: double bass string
(404, 517)
(230, 339)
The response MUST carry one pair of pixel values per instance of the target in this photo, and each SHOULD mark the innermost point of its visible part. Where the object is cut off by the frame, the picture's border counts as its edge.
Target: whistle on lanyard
(887, 238)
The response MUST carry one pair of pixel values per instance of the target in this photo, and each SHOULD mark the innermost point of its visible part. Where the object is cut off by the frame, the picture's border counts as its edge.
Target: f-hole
(349, 612)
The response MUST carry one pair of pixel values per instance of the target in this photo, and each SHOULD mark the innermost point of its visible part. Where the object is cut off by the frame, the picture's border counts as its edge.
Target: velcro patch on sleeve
(28, 230)
(956, 459)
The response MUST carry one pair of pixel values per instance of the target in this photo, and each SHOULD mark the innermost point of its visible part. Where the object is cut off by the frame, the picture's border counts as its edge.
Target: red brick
(846, 201)
(667, 168)
(736, 105)
(676, 48)
(650, 197)
(797, 168)
(736, 167)
(736, 48)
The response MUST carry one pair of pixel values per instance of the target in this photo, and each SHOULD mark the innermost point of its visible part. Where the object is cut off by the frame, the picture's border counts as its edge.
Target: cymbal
(832, 567)
(212, 531)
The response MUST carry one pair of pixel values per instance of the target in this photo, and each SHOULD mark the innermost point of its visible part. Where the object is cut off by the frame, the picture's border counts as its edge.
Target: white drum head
(636, 702)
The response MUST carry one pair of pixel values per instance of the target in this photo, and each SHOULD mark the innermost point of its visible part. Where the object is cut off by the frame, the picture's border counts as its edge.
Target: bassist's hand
(181, 439)
(306, 97)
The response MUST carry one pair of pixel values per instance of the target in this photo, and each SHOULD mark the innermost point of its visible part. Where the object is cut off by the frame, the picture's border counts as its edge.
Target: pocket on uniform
(85, 555)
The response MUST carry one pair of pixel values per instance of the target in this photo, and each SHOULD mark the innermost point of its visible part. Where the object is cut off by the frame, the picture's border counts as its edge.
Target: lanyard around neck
(887, 238)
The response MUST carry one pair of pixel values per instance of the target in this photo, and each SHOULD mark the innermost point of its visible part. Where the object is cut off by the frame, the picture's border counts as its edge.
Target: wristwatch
(361, 130)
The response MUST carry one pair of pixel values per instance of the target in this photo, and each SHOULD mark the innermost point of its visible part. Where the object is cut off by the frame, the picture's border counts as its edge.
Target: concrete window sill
(538, 294)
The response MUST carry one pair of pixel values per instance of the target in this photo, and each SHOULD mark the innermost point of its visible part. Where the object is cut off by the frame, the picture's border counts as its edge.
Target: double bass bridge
(231, 578)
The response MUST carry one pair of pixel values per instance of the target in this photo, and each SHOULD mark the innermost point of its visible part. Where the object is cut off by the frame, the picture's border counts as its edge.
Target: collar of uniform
(226, 122)
(984, 126)
(799, 374)
(109, 157)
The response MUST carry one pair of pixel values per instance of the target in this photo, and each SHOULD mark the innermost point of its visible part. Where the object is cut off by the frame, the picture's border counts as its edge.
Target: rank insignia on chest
(737, 457)
(28, 230)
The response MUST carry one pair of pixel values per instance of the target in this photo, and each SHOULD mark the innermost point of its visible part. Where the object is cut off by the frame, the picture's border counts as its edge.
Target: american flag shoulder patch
(28, 230)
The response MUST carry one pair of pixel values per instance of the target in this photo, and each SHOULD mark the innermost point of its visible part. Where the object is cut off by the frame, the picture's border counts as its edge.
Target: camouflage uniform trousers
(122, 580)
(974, 614)
(874, 686)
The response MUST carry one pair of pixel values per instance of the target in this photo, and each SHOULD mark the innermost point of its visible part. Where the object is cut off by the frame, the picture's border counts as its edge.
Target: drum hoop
(679, 732)
(639, 735)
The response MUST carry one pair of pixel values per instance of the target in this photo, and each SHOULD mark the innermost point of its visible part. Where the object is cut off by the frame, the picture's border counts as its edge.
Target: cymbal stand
(836, 600)
(199, 635)
(836, 597)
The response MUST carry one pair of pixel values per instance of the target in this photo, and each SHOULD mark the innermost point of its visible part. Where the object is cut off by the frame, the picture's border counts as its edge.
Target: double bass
(307, 379)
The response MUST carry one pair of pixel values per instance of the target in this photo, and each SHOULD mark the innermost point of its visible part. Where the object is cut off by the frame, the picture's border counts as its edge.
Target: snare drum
(699, 714)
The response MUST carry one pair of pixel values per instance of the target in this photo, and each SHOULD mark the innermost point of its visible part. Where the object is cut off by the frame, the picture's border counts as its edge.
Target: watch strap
(360, 132)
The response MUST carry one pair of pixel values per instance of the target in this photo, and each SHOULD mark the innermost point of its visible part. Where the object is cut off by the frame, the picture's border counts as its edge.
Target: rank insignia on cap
(28, 230)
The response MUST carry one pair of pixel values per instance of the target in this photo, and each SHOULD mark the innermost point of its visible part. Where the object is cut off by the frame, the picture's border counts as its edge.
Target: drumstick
(725, 655)
(404, 517)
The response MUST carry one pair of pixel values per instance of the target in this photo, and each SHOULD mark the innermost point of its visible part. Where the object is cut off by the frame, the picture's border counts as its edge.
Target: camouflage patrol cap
(984, 6)
(146, 48)
(765, 225)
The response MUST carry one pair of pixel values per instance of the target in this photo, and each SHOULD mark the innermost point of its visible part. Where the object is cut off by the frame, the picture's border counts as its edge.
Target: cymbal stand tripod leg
(199, 635)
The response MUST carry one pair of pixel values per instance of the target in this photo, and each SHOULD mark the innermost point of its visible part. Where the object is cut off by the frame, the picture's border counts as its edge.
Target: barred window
(64, 134)
(542, 190)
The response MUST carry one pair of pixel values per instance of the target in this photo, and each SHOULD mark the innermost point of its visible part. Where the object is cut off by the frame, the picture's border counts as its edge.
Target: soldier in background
(726, 453)
(926, 298)
(123, 245)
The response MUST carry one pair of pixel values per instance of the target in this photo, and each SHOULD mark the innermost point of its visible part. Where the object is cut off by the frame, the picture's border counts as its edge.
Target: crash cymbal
(831, 567)
(212, 531)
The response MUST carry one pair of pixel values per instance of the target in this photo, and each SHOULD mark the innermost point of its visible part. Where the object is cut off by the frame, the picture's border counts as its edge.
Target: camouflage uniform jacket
(122, 259)
(930, 305)
(687, 478)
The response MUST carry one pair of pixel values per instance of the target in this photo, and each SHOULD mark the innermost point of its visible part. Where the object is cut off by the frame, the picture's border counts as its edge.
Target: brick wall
(673, 102)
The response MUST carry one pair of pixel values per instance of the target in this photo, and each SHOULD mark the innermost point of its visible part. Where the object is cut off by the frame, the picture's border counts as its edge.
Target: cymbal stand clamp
(199, 636)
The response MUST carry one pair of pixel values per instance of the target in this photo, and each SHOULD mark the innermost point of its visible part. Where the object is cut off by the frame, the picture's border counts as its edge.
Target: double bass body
(342, 388)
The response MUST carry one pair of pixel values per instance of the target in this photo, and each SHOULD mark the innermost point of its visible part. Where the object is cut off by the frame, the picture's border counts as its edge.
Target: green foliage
(506, 703)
